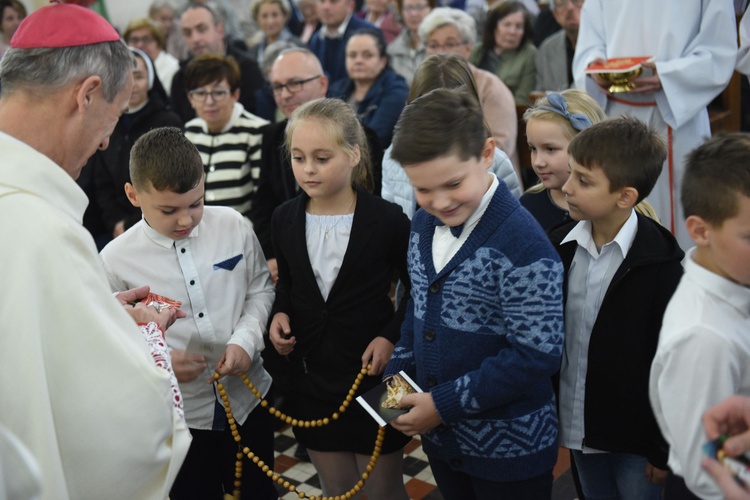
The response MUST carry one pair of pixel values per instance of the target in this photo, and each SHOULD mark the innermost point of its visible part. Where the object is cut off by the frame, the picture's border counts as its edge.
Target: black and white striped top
(231, 158)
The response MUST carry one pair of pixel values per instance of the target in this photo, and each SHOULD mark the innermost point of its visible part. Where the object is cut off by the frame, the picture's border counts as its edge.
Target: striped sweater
(231, 158)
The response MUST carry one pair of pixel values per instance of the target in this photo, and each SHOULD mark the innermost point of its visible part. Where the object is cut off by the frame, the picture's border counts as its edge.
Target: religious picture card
(381, 402)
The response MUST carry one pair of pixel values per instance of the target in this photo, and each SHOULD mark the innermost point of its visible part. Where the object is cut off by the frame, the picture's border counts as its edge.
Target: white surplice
(694, 45)
(78, 384)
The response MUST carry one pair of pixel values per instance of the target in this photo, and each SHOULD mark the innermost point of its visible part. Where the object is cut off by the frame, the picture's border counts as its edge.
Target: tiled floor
(420, 485)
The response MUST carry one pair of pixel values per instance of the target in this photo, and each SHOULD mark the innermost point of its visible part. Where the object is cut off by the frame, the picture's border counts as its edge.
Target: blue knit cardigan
(485, 336)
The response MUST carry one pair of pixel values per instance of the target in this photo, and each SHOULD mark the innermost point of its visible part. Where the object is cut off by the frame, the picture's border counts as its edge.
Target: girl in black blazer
(338, 247)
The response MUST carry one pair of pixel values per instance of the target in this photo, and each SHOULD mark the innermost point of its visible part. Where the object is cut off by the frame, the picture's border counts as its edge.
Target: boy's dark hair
(211, 68)
(717, 174)
(165, 159)
(628, 151)
(439, 123)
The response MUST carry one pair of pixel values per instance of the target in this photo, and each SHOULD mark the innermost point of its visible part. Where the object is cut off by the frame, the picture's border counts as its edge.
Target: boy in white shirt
(703, 356)
(211, 261)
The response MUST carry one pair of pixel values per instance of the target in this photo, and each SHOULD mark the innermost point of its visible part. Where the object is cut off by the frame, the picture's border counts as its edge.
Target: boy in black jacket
(621, 269)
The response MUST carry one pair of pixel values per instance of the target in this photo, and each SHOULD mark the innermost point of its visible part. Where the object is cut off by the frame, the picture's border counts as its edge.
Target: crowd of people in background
(367, 211)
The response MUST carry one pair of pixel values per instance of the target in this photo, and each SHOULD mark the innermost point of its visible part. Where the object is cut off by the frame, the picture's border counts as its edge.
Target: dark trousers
(456, 485)
(676, 489)
(208, 470)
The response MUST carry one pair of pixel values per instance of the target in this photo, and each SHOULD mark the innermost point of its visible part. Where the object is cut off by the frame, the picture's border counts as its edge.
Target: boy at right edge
(703, 355)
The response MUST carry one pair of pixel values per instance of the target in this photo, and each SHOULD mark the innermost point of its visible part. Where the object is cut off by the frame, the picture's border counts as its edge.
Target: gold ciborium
(621, 81)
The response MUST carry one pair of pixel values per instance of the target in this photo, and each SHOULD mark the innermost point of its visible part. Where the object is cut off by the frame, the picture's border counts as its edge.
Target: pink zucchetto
(62, 25)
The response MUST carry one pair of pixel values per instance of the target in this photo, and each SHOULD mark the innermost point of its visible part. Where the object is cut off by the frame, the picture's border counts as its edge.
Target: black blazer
(333, 334)
(276, 182)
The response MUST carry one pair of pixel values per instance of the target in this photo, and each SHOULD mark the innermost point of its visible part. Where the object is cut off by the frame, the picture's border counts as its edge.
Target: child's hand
(422, 417)
(655, 475)
(186, 366)
(235, 361)
(377, 354)
(280, 332)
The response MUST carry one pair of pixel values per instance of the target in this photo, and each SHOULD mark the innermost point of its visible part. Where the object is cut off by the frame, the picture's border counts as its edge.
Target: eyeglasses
(217, 95)
(448, 46)
(133, 40)
(293, 87)
(416, 8)
(563, 3)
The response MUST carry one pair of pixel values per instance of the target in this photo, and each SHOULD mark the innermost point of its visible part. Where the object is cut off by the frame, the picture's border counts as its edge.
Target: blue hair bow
(559, 105)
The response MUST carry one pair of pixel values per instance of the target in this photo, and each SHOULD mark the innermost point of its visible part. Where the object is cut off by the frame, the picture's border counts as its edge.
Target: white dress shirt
(703, 357)
(221, 277)
(445, 245)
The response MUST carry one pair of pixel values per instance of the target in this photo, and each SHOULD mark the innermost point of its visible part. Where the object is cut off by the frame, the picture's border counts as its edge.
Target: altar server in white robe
(694, 46)
(80, 387)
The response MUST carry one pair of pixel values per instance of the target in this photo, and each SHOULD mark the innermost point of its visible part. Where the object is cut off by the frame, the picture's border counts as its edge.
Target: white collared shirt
(444, 245)
(339, 31)
(589, 278)
(220, 275)
(703, 357)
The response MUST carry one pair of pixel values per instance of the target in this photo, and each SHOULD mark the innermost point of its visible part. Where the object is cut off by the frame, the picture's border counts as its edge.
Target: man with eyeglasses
(228, 137)
(554, 59)
(204, 33)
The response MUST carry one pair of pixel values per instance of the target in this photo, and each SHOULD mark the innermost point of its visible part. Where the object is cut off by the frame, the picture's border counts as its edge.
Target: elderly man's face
(296, 69)
(202, 36)
(567, 13)
(95, 126)
(447, 40)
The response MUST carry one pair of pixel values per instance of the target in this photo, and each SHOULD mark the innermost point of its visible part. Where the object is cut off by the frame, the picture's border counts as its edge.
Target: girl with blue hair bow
(551, 124)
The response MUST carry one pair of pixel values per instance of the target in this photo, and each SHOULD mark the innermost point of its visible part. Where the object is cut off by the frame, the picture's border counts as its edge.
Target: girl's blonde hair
(342, 125)
(578, 102)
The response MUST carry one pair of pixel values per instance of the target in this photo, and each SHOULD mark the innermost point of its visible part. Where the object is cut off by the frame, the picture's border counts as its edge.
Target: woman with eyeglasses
(146, 35)
(507, 49)
(228, 137)
(407, 52)
(108, 169)
(452, 31)
(376, 93)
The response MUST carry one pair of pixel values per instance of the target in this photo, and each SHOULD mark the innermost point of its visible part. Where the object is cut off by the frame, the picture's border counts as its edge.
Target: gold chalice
(621, 81)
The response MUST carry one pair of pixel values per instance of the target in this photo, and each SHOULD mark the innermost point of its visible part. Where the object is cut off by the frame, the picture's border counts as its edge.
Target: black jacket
(276, 182)
(617, 412)
(332, 334)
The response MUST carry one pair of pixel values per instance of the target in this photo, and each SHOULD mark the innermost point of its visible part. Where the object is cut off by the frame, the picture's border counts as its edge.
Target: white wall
(122, 11)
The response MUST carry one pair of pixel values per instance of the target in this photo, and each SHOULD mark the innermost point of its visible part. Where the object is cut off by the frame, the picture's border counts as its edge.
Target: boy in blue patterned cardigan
(484, 329)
